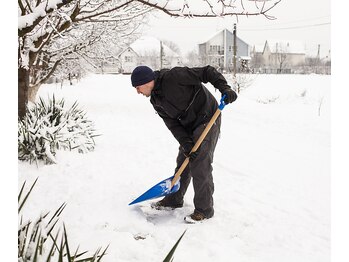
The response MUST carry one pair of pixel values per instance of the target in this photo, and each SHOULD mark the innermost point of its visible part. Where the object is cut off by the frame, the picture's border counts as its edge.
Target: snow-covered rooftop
(146, 45)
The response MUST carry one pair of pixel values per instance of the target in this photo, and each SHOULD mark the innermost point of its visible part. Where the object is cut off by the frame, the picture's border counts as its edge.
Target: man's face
(145, 89)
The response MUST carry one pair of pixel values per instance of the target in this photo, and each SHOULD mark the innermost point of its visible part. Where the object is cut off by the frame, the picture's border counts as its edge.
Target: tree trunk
(32, 91)
(23, 85)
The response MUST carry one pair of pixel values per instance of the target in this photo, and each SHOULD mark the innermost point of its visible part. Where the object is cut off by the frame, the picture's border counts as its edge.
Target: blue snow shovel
(171, 184)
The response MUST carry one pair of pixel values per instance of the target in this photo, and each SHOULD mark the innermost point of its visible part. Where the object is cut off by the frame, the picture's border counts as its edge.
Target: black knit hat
(142, 75)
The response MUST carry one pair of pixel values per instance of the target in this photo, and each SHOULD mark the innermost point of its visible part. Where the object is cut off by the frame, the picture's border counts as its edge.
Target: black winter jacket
(182, 101)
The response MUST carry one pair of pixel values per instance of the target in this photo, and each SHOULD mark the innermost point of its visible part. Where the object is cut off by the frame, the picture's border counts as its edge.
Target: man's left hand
(230, 96)
(187, 147)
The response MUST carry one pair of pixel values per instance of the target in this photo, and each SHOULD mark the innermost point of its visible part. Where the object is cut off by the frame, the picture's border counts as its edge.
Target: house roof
(287, 46)
(259, 48)
(124, 50)
(216, 33)
(146, 45)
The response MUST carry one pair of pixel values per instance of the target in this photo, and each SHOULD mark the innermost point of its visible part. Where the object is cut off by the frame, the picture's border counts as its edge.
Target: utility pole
(161, 54)
(318, 51)
(318, 61)
(234, 51)
(237, 86)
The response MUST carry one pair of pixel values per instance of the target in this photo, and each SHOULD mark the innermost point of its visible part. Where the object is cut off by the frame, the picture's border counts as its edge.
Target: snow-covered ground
(271, 174)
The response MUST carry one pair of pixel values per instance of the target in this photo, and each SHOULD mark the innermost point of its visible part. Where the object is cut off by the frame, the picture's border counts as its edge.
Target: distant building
(277, 56)
(146, 51)
(218, 51)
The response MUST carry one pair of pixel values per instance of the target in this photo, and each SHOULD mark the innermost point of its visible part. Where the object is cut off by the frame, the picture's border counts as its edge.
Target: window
(128, 59)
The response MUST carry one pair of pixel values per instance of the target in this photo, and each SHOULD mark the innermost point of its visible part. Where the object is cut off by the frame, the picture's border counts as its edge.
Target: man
(186, 106)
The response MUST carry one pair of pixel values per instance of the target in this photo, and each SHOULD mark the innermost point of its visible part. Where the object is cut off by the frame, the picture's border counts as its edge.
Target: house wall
(153, 61)
(215, 51)
(242, 49)
(273, 59)
(202, 53)
(172, 61)
(128, 61)
(290, 60)
(296, 59)
(218, 51)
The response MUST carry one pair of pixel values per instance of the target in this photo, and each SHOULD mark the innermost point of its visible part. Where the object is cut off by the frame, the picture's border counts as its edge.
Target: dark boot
(165, 203)
(195, 217)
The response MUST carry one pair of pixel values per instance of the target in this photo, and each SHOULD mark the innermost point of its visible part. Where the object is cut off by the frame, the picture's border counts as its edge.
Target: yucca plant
(169, 257)
(37, 243)
(48, 126)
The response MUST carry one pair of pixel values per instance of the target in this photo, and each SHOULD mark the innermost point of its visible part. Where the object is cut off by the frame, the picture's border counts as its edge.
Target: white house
(128, 60)
(147, 51)
(278, 55)
(218, 51)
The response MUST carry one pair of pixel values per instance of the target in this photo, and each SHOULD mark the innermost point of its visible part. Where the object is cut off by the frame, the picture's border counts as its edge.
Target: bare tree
(243, 81)
(280, 56)
(50, 31)
(173, 46)
(257, 61)
(192, 59)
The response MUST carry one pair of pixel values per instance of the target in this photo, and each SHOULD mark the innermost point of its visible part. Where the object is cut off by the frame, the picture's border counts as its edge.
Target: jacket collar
(157, 84)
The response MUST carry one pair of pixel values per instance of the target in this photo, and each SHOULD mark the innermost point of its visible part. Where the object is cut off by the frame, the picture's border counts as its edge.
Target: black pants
(200, 170)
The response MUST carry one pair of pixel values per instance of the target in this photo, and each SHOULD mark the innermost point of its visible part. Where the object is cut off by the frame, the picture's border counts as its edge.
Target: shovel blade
(159, 190)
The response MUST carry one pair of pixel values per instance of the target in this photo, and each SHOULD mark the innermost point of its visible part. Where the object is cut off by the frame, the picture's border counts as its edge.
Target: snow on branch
(28, 21)
(213, 8)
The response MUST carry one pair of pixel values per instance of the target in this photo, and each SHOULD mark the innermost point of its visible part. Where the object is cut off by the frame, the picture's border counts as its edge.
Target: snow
(271, 174)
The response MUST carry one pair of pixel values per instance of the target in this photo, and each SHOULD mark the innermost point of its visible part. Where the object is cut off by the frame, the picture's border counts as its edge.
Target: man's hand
(187, 147)
(230, 95)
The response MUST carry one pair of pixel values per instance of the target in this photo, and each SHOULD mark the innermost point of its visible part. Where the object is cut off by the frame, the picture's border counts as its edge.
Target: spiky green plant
(169, 257)
(48, 127)
(37, 243)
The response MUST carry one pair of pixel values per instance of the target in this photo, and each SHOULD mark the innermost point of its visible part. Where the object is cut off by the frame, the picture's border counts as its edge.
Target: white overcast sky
(303, 20)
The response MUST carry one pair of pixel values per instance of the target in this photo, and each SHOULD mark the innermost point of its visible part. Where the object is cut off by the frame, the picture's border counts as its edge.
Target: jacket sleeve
(193, 76)
(177, 130)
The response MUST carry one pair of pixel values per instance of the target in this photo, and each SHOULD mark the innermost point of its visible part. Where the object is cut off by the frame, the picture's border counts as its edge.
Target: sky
(297, 20)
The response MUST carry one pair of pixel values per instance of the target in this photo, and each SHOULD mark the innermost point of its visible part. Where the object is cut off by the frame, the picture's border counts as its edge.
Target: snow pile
(271, 174)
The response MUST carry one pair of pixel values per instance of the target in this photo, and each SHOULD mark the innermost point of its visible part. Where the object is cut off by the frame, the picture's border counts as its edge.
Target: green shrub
(48, 127)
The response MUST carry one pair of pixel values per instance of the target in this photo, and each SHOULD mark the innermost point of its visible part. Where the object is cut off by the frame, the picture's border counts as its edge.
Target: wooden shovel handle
(196, 146)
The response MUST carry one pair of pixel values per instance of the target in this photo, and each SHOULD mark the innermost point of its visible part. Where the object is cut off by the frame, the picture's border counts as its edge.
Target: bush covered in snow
(38, 242)
(48, 127)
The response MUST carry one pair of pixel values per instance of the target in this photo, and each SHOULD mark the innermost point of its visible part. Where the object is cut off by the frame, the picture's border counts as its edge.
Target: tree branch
(103, 12)
(177, 13)
(21, 6)
(48, 75)
(40, 16)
